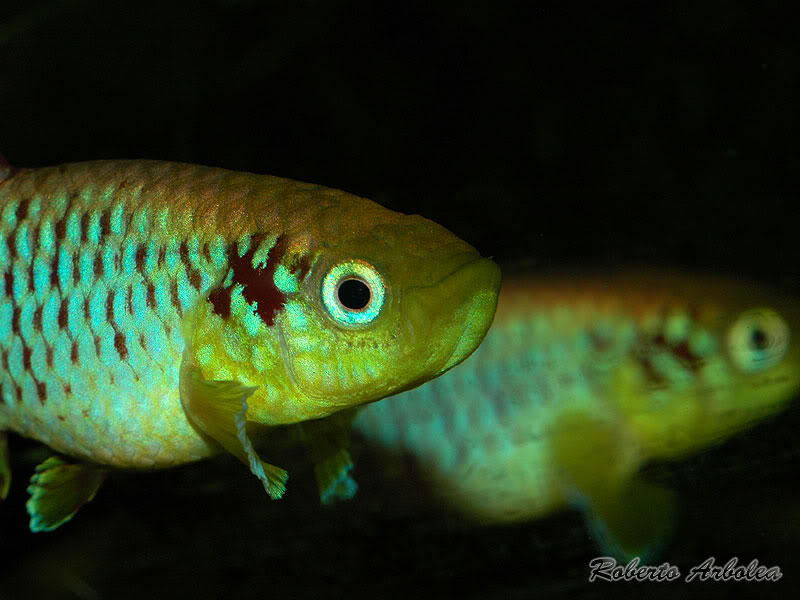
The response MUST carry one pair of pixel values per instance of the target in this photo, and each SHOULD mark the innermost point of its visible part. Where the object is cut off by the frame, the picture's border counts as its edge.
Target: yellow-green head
(348, 304)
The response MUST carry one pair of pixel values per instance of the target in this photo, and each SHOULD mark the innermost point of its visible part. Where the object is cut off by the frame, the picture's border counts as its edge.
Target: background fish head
(743, 352)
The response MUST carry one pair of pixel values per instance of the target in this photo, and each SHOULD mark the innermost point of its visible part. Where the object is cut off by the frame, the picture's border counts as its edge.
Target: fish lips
(451, 317)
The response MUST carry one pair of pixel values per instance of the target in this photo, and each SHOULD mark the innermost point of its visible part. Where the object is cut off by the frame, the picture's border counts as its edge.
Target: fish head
(348, 304)
(739, 362)
(383, 309)
(759, 339)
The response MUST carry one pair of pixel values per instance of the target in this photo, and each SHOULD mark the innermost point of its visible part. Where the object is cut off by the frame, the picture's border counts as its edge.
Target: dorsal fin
(6, 170)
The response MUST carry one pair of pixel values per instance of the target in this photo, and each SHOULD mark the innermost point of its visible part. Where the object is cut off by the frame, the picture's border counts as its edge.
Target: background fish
(152, 312)
(581, 381)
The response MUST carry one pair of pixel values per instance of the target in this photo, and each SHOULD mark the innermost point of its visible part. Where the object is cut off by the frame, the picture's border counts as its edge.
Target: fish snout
(451, 317)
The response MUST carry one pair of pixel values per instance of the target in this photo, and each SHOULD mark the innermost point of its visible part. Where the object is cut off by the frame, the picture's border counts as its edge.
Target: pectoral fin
(628, 517)
(327, 441)
(219, 409)
(5, 466)
(58, 489)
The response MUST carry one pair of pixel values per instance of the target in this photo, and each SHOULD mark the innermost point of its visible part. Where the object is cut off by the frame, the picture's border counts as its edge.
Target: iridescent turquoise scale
(95, 285)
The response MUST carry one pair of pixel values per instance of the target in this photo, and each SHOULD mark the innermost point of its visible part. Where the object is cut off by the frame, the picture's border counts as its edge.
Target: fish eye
(758, 340)
(353, 293)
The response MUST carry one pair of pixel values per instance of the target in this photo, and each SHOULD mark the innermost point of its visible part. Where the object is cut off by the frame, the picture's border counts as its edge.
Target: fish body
(580, 381)
(153, 312)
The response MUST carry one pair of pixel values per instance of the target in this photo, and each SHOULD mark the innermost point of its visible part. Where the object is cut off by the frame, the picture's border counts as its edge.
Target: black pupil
(353, 294)
(758, 339)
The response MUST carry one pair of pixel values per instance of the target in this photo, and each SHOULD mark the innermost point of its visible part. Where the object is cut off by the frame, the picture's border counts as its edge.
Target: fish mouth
(462, 303)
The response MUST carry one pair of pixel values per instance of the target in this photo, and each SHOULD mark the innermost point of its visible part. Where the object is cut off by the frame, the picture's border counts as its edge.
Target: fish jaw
(465, 301)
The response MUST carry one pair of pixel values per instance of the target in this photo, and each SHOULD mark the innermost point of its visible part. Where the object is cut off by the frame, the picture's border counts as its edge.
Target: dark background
(545, 134)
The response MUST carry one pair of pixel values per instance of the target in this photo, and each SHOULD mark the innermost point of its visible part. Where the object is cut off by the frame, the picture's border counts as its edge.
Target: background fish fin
(637, 522)
(5, 466)
(626, 516)
(219, 409)
(327, 441)
(58, 489)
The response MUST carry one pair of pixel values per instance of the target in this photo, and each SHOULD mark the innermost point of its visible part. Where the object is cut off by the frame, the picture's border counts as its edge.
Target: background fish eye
(758, 340)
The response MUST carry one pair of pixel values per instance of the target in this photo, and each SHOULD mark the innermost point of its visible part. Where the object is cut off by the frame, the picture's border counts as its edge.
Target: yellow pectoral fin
(5, 466)
(327, 441)
(58, 489)
(628, 517)
(219, 409)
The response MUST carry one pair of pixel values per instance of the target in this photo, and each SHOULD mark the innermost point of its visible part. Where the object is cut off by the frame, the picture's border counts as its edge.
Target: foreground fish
(581, 381)
(153, 312)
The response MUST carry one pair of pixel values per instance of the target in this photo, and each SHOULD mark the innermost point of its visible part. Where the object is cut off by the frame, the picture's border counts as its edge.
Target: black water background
(544, 134)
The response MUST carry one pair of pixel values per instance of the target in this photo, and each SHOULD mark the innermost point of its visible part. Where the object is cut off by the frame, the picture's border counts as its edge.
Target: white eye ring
(758, 340)
(357, 314)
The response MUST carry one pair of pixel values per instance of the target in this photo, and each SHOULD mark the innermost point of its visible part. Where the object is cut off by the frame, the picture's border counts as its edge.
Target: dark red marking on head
(220, 299)
(2, 395)
(30, 278)
(67, 389)
(207, 252)
(74, 353)
(162, 255)
(687, 357)
(18, 392)
(98, 266)
(258, 284)
(41, 391)
(5, 360)
(49, 356)
(12, 247)
(142, 342)
(86, 312)
(37, 318)
(97, 345)
(121, 346)
(301, 267)
(8, 276)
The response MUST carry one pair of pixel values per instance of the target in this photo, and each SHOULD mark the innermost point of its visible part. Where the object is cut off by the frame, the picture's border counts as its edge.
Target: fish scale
(63, 248)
